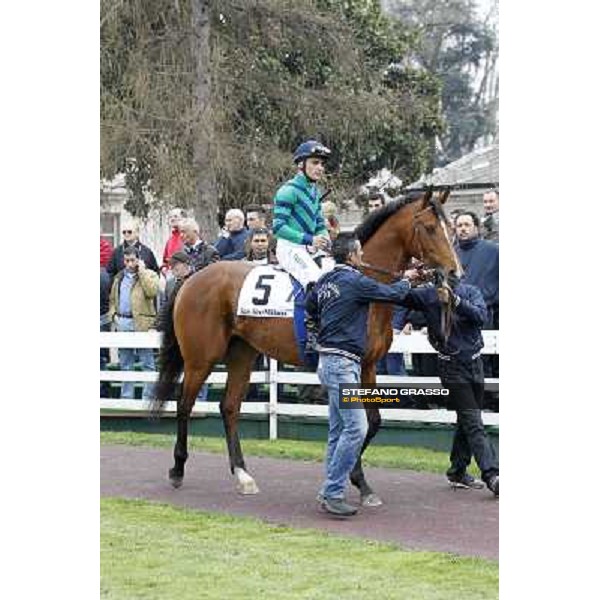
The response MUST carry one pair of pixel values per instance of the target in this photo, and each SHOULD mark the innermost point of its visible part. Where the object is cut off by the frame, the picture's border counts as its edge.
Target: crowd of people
(248, 237)
(133, 287)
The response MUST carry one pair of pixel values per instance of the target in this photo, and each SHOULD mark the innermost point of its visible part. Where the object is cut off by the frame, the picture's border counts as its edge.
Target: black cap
(181, 257)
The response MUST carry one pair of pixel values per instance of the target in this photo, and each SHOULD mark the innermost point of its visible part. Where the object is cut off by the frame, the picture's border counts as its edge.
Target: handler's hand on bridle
(413, 275)
(443, 294)
(321, 242)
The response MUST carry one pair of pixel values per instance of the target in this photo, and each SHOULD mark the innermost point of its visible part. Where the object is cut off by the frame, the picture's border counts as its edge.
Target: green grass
(399, 457)
(153, 551)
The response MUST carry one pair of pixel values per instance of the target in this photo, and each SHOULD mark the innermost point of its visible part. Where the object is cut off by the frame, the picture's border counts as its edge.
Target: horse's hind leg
(357, 477)
(240, 360)
(192, 382)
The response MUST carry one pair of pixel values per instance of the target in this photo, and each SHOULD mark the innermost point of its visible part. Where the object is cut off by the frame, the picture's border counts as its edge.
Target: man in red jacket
(174, 243)
(105, 251)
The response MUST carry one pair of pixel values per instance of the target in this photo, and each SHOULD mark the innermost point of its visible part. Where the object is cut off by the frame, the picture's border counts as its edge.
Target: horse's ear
(427, 198)
(445, 195)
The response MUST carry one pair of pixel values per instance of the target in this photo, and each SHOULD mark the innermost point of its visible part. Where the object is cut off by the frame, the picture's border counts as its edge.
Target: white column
(272, 399)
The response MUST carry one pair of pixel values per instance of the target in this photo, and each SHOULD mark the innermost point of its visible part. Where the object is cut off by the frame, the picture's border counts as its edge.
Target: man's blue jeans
(347, 427)
(127, 358)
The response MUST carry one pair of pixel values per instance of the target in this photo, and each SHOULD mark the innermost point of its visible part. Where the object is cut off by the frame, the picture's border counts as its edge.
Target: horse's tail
(170, 359)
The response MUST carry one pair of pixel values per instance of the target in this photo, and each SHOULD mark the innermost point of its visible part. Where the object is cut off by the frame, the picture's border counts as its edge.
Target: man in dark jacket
(199, 252)
(461, 371)
(131, 239)
(480, 260)
(181, 268)
(340, 302)
(231, 243)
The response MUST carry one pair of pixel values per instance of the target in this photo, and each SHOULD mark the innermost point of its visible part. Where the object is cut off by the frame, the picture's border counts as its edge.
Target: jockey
(298, 221)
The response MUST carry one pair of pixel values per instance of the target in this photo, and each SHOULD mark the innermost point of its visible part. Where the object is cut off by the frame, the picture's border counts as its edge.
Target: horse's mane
(377, 218)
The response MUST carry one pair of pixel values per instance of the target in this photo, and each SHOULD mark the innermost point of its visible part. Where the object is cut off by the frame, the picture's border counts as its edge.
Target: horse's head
(430, 241)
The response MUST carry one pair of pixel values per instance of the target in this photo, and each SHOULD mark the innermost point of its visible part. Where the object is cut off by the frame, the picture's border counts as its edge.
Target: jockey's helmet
(311, 149)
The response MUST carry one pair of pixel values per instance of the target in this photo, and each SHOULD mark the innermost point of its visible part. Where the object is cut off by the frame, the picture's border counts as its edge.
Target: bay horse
(202, 328)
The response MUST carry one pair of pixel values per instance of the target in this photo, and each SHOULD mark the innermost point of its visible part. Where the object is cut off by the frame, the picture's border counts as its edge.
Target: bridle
(439, 279)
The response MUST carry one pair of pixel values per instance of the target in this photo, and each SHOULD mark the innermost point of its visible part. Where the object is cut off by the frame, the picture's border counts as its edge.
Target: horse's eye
(430, 229)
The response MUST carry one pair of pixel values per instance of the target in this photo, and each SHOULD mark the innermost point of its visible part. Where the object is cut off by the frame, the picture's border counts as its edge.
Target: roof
(479, 166)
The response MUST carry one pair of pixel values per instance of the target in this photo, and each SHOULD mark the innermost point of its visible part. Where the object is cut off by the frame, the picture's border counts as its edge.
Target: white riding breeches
(297, 261)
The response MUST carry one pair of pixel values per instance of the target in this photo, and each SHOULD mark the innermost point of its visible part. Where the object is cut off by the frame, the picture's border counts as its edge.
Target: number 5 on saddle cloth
(269, 292)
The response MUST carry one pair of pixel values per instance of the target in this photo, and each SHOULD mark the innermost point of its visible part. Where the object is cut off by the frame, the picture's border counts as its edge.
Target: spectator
(331, 221)
(132, 308)
(461, 372)
(256, 217)
(260, 250)
(174, 243)
(491, 221)
(104, 326)
(230, 244)
(376, 200)
(131, 233)
(453, 216)
(181, 268)
(200, 253)
(260, 247)
(106, 251)
(480, 260)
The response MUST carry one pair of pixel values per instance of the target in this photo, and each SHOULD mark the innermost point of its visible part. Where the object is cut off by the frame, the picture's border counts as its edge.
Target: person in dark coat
(131, 239)
(231, 243)
(180, 265)
(461, 372)
(481, 262)
(199, 252)
(479, 258)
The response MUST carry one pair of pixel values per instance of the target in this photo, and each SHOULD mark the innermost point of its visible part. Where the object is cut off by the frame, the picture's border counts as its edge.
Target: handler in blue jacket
(461, 371)
(340, 302)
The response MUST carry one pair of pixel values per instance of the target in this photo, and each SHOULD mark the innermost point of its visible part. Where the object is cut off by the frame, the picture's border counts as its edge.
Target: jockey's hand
(321, 242)
(407, 329)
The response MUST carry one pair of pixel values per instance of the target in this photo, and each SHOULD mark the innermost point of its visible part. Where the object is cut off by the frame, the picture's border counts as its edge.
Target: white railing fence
(414, 343)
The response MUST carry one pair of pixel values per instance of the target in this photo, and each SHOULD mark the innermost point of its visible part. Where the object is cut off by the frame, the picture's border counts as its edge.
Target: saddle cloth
(270, 291)
(266, 292)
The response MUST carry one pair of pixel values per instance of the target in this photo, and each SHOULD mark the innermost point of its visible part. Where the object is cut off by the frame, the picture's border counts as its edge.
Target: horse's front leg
(357, 477)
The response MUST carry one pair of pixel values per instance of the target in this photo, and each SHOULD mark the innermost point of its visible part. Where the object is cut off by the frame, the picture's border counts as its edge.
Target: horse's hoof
(245, 483)
(248, 488)
(176, 480)
(371, 500)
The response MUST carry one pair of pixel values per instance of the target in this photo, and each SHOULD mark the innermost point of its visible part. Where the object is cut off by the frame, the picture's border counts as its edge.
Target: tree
(460, 48)
(202, 103)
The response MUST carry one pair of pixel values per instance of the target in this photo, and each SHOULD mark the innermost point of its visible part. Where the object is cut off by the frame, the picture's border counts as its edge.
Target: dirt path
(420, 512)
